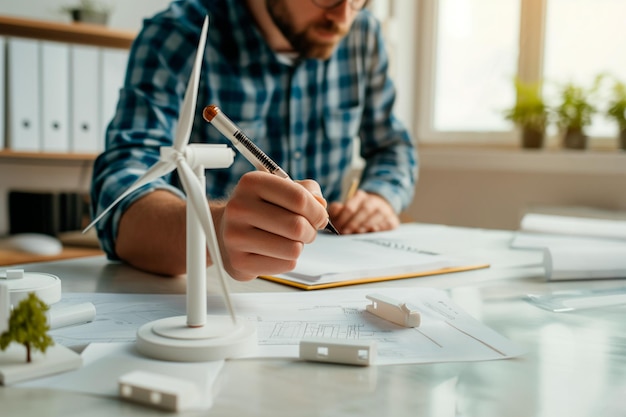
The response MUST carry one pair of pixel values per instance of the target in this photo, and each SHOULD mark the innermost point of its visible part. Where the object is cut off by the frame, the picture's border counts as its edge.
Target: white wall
(494, 188)
(126, 14)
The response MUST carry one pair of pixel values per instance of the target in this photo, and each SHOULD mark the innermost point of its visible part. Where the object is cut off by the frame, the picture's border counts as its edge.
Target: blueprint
(446, 334)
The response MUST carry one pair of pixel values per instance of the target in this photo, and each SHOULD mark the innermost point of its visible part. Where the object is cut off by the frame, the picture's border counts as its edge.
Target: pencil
(354, 186)
(248, 149)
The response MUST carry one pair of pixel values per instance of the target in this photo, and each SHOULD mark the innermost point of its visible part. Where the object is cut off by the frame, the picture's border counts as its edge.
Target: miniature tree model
(28, 325)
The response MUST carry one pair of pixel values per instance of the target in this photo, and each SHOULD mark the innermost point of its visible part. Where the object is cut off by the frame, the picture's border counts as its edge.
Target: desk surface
(575, 364)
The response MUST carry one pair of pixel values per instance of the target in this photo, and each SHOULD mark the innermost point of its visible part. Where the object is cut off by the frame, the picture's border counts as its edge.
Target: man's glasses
(331, 4)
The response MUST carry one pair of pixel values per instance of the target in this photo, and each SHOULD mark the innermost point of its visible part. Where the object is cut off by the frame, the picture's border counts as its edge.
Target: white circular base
(171, 339)
(45, 286)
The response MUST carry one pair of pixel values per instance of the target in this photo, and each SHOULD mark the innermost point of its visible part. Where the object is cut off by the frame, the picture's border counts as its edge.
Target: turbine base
(171, 339)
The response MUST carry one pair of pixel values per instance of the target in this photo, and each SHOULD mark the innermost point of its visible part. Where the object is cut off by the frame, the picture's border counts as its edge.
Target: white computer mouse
(35, 243)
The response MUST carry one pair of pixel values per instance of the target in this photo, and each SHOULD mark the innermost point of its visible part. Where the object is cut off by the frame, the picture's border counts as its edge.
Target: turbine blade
(157, 170)
(186, 117)
(197, 198)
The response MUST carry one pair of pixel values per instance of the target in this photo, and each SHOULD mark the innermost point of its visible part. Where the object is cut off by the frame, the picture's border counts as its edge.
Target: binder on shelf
(2, 93)
(54, 72)
(24, 92)
(113, 63)
(86, 134)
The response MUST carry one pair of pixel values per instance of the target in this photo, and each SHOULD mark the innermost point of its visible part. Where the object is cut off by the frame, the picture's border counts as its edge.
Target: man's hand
(264, 225)
(363, 213)
(261, 229)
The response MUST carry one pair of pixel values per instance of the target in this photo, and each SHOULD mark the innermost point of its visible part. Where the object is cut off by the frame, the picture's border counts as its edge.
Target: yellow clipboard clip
(391, 310)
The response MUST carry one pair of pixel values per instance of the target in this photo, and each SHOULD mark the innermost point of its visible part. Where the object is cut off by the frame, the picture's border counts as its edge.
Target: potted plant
(89, 11)
(617, 110)
(574, 113)
(529, 113)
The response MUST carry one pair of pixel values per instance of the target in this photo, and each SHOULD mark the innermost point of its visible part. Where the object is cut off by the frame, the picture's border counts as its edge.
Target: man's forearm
(152, 234)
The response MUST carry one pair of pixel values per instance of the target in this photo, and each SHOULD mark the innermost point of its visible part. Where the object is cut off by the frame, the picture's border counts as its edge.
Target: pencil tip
(330, 228)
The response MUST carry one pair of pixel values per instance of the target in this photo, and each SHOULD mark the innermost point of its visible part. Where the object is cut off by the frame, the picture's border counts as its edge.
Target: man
(301, 78)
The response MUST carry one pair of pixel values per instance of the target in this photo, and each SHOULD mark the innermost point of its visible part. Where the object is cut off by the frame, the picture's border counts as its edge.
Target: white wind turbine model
(196, 336)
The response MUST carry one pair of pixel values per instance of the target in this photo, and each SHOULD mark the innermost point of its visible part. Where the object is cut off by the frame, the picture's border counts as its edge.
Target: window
(467, 52)
(476, 59)
(583, 39)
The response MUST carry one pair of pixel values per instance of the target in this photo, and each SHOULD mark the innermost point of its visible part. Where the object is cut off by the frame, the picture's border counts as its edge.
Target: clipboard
(357, 281)
(337, 261)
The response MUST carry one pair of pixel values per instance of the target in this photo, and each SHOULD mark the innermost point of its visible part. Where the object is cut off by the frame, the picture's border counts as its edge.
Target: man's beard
(300, 41)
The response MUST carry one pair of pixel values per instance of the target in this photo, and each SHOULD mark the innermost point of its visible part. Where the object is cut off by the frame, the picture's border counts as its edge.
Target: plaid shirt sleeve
(303, 115)
(146, 115)
(391, 158)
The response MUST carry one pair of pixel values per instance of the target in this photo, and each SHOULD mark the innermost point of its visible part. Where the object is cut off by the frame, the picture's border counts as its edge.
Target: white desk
(575, 365)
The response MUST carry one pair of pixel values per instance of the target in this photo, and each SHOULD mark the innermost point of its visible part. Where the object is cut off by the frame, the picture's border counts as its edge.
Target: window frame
(529, 67)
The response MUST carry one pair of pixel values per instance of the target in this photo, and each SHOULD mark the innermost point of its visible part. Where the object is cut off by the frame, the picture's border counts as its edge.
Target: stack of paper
(447, 333)
(574, 226)
(332, 261)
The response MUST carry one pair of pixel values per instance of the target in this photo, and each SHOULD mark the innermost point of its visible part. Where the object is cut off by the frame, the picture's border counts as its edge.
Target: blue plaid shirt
(303, 114)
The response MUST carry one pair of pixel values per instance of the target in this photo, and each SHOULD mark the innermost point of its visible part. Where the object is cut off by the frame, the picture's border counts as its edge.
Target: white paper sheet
(447, 332)
(105, 363)
(341, 258)
(118, 316)
(529, 240)
(574, 226)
